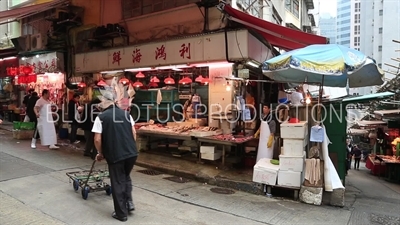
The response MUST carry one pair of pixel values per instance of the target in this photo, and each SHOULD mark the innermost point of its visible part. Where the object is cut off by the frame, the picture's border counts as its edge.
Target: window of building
(356, 41)
(292, 6)
(380, 30)
(381, 12)
(380, 48)
(357, 18)
(135, 8)
(357, 7)
(357, 29)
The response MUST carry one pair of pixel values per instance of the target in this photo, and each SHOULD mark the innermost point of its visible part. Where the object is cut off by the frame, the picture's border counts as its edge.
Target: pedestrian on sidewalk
(114, 138)
(30, 110)
(25, 103)
(45, 125)
(74, 110)
(88, 117)
(357, 157)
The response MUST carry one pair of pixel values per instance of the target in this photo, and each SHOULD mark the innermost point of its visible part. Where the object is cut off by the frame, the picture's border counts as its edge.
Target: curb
(244, 186)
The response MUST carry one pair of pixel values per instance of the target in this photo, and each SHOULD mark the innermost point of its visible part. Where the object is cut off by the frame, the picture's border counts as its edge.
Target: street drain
(177, 179)
(222, 191)
(149, 172)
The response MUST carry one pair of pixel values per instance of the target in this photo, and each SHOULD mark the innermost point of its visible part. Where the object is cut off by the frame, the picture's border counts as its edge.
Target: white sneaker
(33, 143)
(77, 142)
(53, 147)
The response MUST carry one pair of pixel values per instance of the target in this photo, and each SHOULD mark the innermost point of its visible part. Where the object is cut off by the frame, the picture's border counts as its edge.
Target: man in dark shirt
(25, 102)
(114, 138)
(357, 157)
(88, 117)
(73, 116)
(30, 110)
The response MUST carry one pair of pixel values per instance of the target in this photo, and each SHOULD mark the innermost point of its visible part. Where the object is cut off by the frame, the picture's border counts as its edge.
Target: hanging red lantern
(124, 81)
(140, 75)
(169, 80)
(26, 70)
(101, 83)
(199, 79)
(155, 80)
(185, 80)
(81, 84)
(138, 84)
(153, 85)
(205, 80)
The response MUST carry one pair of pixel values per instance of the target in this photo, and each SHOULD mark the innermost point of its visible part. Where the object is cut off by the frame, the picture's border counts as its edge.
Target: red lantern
(138, 84)
(169, 80)
(153, 85)
(199, 79)
(124, 81)
(205, 81)
(140, 75)
(81, 84)
(101, 83)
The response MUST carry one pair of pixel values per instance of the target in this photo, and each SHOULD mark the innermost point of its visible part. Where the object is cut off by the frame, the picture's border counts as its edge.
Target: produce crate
(23, 134)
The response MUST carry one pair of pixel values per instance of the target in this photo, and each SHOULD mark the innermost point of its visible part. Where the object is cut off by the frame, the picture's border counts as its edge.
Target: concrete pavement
(35, 190)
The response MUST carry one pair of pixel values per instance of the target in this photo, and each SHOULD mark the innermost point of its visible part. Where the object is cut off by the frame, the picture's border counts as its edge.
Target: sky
(326, 6)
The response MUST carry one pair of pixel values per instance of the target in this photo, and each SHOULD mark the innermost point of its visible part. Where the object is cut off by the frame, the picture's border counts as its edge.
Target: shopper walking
(45, 122)
(357, 157)
(30, 109)
(88, 117)
(114, 138)
(74, 117)
(25, 102)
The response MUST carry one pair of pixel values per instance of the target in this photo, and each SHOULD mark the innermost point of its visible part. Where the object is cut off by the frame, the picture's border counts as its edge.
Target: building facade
(343, 21)
(378, 32)
(327, 27)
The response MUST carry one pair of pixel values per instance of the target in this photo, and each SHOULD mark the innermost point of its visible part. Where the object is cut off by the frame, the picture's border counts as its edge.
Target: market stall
(8, 94)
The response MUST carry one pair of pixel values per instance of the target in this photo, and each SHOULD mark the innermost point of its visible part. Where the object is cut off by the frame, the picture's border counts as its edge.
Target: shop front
(39, 72)
(8, 95)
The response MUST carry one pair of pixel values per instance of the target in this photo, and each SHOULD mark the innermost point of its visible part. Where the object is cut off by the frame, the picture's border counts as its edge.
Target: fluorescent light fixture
(213, 64)
(113, 71)
(8, 58)
(253, 64)
(139, 69)
(173, 67)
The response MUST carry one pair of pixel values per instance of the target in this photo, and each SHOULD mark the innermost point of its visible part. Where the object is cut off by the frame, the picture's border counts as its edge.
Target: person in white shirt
(45, 125)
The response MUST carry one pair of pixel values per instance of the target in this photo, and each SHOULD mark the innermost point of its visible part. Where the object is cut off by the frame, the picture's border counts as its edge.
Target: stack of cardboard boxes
(293, 155)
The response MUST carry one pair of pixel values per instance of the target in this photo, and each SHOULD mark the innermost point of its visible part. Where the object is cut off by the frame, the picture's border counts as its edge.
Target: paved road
(35, 190)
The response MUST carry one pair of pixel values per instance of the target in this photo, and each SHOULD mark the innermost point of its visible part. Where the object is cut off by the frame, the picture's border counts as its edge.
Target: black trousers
(121, 184)
(74, 130)
(36, 133)
(89, 145)
(357, 163)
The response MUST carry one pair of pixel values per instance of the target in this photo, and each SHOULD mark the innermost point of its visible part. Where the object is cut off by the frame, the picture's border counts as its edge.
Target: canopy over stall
(277, 35)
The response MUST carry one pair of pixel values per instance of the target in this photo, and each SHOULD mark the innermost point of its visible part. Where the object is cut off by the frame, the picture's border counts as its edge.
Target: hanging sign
(45, 63)
(26, 79)
(7, 65)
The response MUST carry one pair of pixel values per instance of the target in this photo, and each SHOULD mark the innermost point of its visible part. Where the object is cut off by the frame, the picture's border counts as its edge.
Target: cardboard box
(293, 147)
(294, 130)
(211, 156)
(290, 178)
(264, 172)
(292, 163)
(207, 149)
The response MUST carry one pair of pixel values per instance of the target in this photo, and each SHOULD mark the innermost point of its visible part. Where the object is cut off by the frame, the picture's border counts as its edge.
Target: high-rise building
(343, 21)
(355, 21)
(327, 27)
(378, 30)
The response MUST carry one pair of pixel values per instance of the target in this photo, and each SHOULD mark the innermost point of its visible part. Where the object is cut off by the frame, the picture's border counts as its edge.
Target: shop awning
(387, 112)
(367, 98)
(370, 123)
(276, 35)
(23, 12)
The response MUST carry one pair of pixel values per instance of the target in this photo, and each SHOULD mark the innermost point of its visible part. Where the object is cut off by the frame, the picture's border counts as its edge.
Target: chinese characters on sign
(116, 57)
(185, 51)
(136, 56)
(160, 53)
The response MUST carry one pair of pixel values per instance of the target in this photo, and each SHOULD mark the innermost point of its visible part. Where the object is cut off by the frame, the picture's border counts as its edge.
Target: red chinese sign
(116, 57)
(160, 53)
(185, 51)
(136, 56)
(26, 79)
(6, 65)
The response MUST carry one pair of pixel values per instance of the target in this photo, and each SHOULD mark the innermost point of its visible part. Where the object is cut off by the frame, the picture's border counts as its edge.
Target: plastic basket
(27, 126)
(16, 125)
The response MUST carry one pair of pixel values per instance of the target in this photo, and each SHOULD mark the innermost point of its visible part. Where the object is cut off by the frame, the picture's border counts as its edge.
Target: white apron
(45, 126)
(263, 150)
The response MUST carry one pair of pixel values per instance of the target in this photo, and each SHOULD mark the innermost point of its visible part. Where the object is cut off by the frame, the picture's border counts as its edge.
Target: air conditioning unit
(38, 42)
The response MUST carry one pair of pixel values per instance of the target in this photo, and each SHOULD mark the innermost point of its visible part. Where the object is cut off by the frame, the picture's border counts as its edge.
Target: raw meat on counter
(232, 138)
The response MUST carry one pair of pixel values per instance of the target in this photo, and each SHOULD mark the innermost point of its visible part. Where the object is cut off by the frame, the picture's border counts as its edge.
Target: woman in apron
(45, 125)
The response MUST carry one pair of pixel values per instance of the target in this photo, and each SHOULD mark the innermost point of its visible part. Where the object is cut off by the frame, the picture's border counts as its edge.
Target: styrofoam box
(294, 130)
(292, 163)
(264, 172)
(294, 147)
(212, 156)
(207, 149)
(290, 178)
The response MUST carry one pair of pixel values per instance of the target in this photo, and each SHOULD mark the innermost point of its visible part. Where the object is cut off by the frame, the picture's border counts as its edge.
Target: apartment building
(327, 27)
